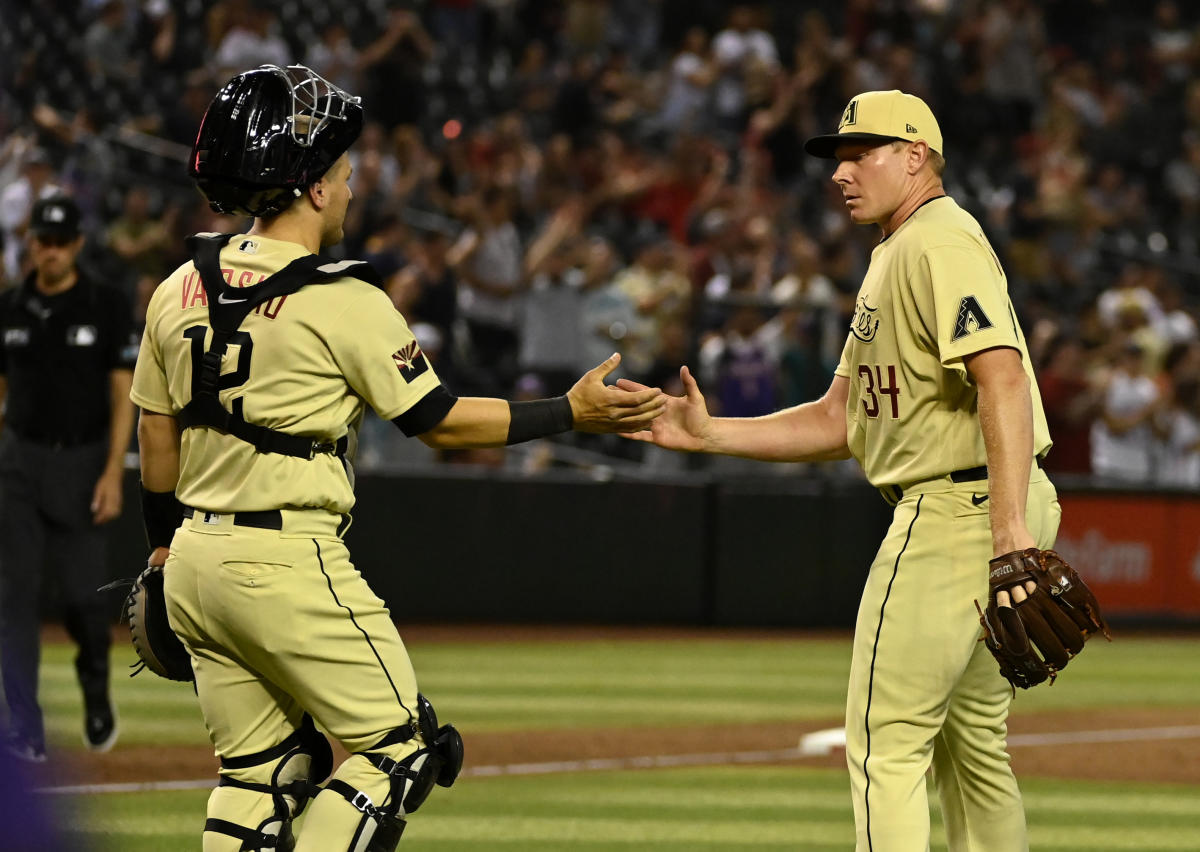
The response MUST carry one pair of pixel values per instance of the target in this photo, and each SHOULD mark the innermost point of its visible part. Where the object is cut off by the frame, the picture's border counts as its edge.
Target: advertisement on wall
(1139, 553)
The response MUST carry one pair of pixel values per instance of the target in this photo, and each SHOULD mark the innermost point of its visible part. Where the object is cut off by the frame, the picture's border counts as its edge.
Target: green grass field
(530, 685)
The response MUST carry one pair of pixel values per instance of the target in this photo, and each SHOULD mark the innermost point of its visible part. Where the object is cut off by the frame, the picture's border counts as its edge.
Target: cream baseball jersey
(933, 294)
(305, 364)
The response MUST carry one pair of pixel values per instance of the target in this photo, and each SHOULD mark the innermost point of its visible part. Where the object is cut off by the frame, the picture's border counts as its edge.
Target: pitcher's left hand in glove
(1055, 619)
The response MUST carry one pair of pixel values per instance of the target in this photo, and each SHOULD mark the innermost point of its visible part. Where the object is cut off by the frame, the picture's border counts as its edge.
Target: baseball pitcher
(936, 398)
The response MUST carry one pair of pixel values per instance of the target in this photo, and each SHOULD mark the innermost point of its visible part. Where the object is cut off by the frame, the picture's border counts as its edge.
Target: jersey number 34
(875, 386)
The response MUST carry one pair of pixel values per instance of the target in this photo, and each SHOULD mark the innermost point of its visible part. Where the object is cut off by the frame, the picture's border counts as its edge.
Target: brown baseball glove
(157, 646)
(1036, 638)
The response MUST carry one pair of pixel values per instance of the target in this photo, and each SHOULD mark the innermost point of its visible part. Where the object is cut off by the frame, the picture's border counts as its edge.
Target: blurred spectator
(739, 362)
(740, 50)
(393, 65)
(456, 24)
(551, 323)
(1122, 437)
(691, 75)
(1183, 183)
(334, 58)
(659, 293)
(489, 260)
(1072, 401)
(804, 286)
(1011, 47)
(108, 45)
(1172, 44)
(253, 39)
(437, 302)
(36, 182)
(140, 241)
(608, 316)
(1178, 429)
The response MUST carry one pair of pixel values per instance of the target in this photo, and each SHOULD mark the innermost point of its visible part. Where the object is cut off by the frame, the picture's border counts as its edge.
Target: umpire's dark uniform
(56, 357)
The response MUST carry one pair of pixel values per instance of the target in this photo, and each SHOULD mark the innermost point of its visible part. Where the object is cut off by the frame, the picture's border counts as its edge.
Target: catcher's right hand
(156, 644)
(1055, 619)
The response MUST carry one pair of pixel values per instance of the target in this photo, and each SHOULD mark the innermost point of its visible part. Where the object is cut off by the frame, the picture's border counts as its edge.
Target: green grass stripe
(621, 830)
(1118, 805)
(726, 808)
(621, 706)
(574, 678)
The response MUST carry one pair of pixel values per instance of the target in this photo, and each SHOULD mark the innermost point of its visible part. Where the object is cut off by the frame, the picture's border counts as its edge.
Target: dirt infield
(1150, 759)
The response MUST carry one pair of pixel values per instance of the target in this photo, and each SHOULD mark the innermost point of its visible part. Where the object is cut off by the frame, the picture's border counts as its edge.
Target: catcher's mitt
(156, 644)
(1056, 619)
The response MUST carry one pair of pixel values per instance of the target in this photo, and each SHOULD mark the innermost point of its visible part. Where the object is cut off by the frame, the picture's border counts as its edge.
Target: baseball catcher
(249, 421)
(1038, 616)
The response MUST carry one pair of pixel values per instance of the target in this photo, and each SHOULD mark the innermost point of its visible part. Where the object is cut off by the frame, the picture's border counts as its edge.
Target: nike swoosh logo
(221, 298)
(979, 499)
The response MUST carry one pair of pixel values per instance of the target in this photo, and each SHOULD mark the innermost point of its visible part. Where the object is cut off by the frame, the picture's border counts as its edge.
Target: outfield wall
(466, 546)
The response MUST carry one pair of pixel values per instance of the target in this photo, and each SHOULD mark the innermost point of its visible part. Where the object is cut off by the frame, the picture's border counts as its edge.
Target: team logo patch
(81, 335)
(410, 361)
(865, 322)
(970, 319)
(248, 247)
(850, 116)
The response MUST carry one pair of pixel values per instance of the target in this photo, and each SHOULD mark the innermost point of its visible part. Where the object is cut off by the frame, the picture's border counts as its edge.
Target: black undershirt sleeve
(429, 411)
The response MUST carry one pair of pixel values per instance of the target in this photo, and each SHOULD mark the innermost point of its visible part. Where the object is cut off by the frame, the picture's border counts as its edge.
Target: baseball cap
(55, 217)
(880, 117)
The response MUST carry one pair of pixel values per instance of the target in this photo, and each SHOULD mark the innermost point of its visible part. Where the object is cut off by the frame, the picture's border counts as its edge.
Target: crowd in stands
(544, 182)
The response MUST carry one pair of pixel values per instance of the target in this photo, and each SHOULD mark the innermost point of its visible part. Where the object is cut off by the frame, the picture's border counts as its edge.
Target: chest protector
(228, 307)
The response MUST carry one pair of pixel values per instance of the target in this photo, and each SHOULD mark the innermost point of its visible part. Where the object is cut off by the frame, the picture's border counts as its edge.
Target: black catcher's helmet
(267, 135)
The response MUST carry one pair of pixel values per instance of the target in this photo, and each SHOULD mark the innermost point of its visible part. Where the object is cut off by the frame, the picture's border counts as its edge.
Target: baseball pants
(924, 692)
(45, 511)
(279, 623)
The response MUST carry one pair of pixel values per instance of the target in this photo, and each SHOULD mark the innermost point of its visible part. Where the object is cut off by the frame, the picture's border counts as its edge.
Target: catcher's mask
(268, 135)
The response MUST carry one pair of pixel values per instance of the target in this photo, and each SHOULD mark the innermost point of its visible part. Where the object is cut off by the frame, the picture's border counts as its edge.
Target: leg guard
(289, 773)
(410, 777)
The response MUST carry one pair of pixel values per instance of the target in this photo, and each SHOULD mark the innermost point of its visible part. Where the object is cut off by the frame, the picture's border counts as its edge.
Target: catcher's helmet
(267, 135)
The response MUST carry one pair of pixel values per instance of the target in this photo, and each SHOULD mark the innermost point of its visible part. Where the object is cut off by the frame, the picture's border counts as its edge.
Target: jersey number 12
(241, 371)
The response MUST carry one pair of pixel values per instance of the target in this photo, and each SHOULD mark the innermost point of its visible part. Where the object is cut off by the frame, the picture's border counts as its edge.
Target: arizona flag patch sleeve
(380, 357)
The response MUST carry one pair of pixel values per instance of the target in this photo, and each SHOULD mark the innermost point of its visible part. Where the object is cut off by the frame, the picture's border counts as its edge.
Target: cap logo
(850, 116)
(55, 214)
(908, 128)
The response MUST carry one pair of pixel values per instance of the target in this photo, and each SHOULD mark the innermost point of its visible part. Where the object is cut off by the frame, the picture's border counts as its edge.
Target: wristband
(162, 514)
(539, 418)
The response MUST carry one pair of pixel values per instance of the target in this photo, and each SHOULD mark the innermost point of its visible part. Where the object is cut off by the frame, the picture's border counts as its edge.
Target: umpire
(66, 365)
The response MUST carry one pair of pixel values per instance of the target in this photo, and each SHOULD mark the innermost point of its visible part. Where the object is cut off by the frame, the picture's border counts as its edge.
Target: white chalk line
(1177, 732)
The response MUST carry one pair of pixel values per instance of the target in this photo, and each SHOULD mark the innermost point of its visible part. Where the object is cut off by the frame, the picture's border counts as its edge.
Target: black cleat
(99, 726)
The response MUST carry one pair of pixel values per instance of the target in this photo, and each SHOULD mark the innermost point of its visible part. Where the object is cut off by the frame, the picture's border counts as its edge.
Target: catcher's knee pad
(411, 779)
(289, 774)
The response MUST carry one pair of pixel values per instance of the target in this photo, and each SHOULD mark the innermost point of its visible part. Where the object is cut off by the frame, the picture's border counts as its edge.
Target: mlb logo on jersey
(410, 361)
(81, 335)
(248, 247)
(16, 337)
